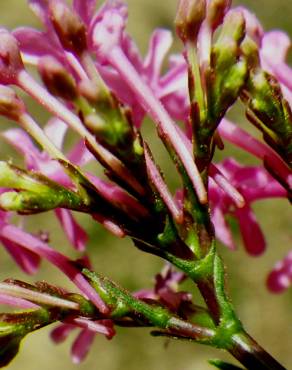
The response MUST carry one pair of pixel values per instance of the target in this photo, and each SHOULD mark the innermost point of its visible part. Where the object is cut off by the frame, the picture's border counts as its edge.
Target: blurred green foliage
(267, 317)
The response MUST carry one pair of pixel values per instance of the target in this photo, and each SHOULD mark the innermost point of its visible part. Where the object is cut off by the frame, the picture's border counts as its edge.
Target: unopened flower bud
(250, 50)
(57, 79)
(11, 106)
(69, 27)
(216, 11)
(35, 192)
(10, 59)
(253, 27)
(190, 15)
(15, 326)
(233, 28)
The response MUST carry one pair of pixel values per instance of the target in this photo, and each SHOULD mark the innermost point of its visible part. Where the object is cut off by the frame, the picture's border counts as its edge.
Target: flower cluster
(94, 82)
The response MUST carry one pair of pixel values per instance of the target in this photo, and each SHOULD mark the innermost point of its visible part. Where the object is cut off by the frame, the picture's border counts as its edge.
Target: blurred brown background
(266, 316)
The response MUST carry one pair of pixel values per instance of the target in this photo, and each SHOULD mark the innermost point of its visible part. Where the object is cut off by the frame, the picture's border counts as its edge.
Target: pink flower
(166, 290)
(40, 161)
(27, 260)
(87, 331)
(254, 183)
(280, 278)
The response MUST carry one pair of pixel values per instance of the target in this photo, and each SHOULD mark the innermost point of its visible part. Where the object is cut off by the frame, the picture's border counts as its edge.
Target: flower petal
(252, 235)
(82, 345)
(75, 233)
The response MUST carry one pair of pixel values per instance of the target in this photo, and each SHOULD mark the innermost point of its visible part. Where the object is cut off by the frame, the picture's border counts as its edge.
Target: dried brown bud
(10, 105)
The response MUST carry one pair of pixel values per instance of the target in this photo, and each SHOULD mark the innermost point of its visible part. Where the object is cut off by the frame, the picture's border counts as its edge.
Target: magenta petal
(281, 276)
(61, 332)
(82, 345)
(36, 43)
(28, 261)
(85, 9)
(252, 235)
(75, 233)
(62, 262)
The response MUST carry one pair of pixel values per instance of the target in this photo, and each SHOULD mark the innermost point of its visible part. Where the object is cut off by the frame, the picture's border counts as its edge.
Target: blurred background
(266, 316)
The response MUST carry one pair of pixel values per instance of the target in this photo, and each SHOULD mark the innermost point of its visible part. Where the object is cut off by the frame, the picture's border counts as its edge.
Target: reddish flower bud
(10, 59)
(57, 79)
(69, 27)
(190, 15)
(216, 11)
(10, 105)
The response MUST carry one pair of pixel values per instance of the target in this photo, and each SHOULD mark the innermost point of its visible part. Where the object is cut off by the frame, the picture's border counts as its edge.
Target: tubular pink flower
(84, 339)
(40, 161)
(164, 123)
(253, 183)
(217, 175)
(40, 248)
(107, 35)
(28, 261)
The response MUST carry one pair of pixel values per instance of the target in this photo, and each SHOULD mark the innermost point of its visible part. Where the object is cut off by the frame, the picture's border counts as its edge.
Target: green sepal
(123, 303)
(15, 326)
(270, 112)
(34, 192)
(224, 365)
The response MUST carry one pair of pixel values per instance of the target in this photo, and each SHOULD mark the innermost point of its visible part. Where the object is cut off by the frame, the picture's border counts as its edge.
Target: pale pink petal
(275, 46)
(56, 130)
(159, 45)
(222, 229)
